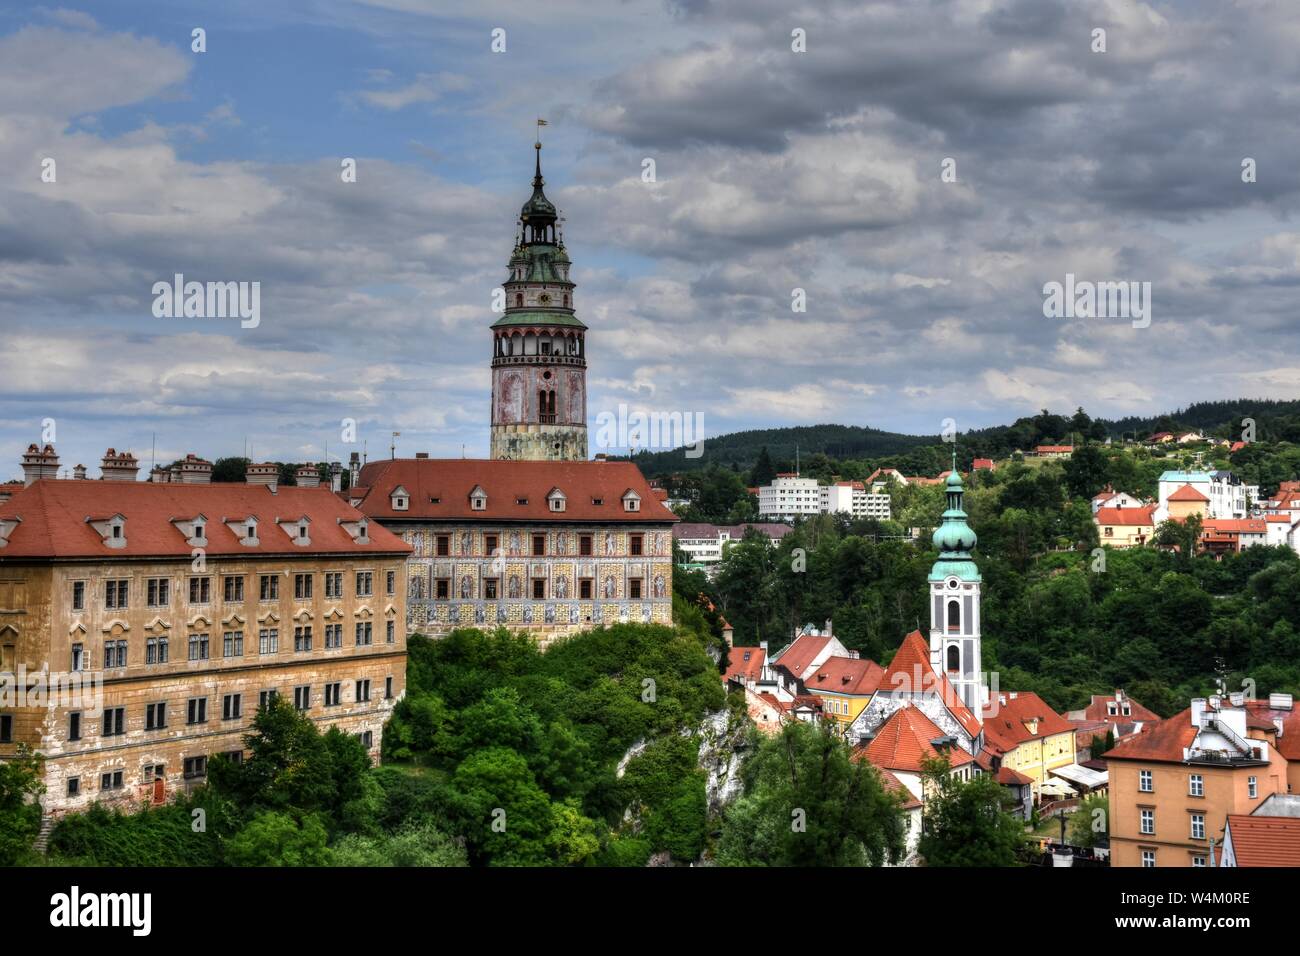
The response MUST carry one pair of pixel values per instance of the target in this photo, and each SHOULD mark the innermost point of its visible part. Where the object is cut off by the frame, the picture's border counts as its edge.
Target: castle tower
(539, 355)
(955, 602)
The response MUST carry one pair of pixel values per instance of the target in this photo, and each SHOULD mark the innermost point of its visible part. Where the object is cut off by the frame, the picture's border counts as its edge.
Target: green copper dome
(954, 539)
(538, 206)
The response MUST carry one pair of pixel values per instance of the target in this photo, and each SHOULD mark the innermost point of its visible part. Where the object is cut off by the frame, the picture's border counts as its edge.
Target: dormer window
(302, 531)
(556, 500)
(297, 530)
(117, 531)
(478, 499)
(597, 501)
(245, 529)
(631, 501)
(7, 526)
(111, 529)
(401, 501)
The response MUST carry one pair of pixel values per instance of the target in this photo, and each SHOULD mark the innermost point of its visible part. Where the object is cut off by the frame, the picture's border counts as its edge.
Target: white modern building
(790, 496)
(705, 543)
(852, 497)
(1229, 496)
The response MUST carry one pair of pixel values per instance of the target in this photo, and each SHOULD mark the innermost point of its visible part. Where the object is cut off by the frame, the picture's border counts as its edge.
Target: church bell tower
(539, 354)
(955, 602)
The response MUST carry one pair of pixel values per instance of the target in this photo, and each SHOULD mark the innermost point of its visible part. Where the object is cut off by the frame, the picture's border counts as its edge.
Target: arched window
(519, 300)
(954, 616)
(954, 659)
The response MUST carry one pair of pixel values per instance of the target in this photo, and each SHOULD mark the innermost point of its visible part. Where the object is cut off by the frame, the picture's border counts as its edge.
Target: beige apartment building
(1173, 786)
(144, 623)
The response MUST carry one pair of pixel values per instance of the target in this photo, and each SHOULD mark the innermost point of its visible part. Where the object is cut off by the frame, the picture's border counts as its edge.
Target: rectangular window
(268, 587)
(265, 697)
(156, 650)
(539, 589)
(490, 589)
(363, 691)
(1196, 785)
(635, 543)
(333, 694)
(1144, 781)
(388, 688)
(115, 593)
(302, 587)
(333, 584)
(1252, 787)
(390, 631)
(196, 710)
(233, 586)
(584, 545)
(74, 786)
(539, 545)
(444, 545)
(302, 697)
(333, 636)
(364, 636)
(1148, 825)
(114, 722)
(114, 654)
(302, 638)
(74, 726)
(268, 640)
(6, 729)
(200, 590)
(232, 644)
(78, 595)
(584, 589)
(1198, 826)
(1198, 861)
(155, 716)
(390, 582)
(196, 767)
(1148, 858)
(490, 543)
(78, 657)
(111, 780)
(232, 706)
(365, 584)
(198, 647)
(634, 589)
(159, 592)
(441, 589)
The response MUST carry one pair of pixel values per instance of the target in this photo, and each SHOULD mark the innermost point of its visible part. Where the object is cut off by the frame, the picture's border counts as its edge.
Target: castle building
(539, 354)
(142, 624)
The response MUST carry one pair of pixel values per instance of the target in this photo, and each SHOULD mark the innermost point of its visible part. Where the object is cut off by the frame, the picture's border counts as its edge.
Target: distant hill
(1274, 421)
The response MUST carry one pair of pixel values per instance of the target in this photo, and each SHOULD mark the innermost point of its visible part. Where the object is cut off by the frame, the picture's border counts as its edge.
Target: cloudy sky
(774, 170)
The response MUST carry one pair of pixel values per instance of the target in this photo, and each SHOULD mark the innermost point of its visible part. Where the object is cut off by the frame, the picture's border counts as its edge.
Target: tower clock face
(544, 298)
(953, 583)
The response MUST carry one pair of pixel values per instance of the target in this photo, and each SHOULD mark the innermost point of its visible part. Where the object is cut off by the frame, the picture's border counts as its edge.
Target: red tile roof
(1188, 493)
(1164, 741)
(1097, 710)
(1265, 841)
(54, 522)
(450, 481)
(1127, 517)
(846, 675)
(910, 671)
(1236, 526)
(986, 463)
(798, 657)
(1008, 777)
(904, 741)
(1044, 449)
(892, 784)
(1010, 711)
(744, 663)
(1288, 745)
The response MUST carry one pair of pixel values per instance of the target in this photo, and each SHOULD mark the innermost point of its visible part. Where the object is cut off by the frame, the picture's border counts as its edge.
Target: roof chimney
(79, 472)
(196, 470)
(266, 473)
(336, 477)
(354, 469)
(307, 476)
(158, 474)
(421, 454)
(1198, 710)
(119, 466)
(40, 463)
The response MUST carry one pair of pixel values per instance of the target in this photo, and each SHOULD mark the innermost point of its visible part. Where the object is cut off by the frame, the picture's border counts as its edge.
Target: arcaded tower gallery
(539, 356)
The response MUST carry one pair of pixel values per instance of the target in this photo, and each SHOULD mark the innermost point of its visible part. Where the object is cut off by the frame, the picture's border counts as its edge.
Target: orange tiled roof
(1188, 493)
(904, 741)
(1236, 526)
(846, 675)
(1127, 517)
(1097, 709)
(798, 657)
(1164, 741)
(1288, 745)
(744, 663)
(910, 671)
(55, 521)
(1007, 777)
(1265, 841)
(1008, 712)
(893, 785)
(440, 488)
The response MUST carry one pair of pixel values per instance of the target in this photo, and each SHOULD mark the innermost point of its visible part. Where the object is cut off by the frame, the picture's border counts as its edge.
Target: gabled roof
(1098, 709)
(1127, 517)
(910, 671)
(1264, 841)
(1010, 711)
(798, 656)
(744, 663)
(54, 516)
(440, 489)
(905, 740)
(845, 675)
(1163, 741)
(1236, 526)
(1188, 493)
(892, 784)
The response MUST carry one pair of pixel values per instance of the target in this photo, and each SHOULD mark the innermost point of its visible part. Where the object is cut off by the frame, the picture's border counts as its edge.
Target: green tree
(415, 844)
(807, 802)
(966, 822)
(1090, 823)
(275, 838)
(20, 811)
(763, 471)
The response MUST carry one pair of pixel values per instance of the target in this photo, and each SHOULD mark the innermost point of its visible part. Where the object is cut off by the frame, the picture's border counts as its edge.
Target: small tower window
(519, 300)
(954, 659)
(954, 617)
